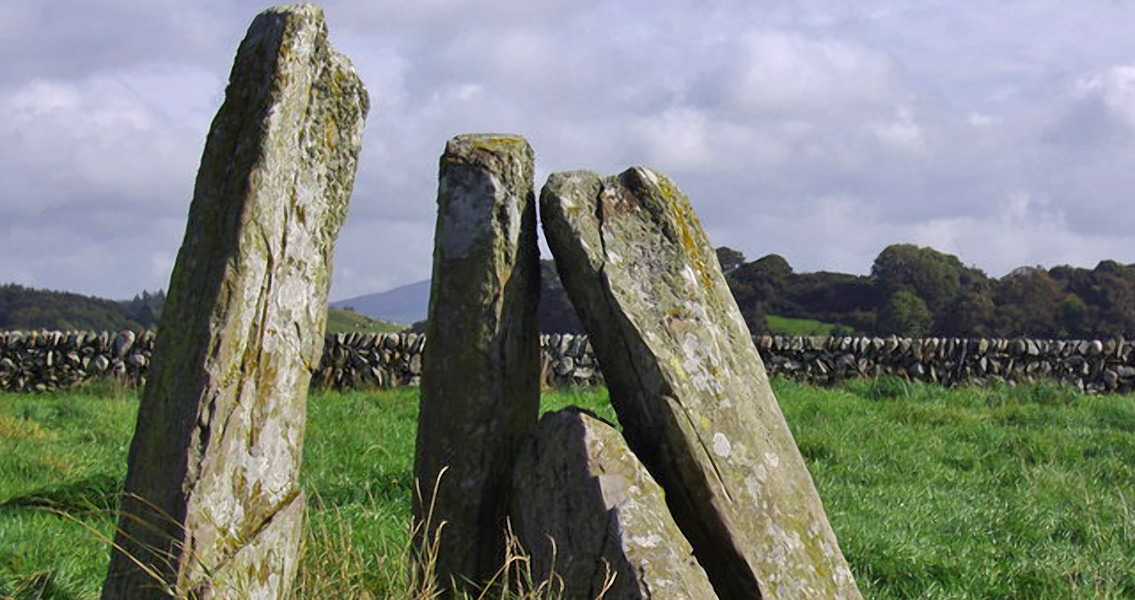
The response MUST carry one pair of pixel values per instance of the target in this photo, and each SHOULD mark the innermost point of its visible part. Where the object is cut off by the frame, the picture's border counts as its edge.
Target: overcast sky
(1002, 132)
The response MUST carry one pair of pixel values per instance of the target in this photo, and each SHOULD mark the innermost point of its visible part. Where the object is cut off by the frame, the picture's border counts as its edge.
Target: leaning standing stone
(587, 511)
(481, 370)
(212, 506)
(688, 385)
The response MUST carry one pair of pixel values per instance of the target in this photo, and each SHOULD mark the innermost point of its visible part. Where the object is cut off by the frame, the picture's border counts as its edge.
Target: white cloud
(788, 73)
(676, 139)
(900, 132)
(1021, 230)
(1115, 87)
(980, 120)
(99, 137)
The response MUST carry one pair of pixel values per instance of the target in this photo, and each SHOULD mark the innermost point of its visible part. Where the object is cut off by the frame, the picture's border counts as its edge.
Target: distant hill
(402, 305)
(409, 304)
(346, 321)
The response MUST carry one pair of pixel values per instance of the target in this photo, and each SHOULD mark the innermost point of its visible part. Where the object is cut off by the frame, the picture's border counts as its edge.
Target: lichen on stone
(688, 384)
(212, 481)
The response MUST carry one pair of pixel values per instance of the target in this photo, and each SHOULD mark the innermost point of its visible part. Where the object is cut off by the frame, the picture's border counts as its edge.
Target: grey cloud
(61, 38)
(821, 131)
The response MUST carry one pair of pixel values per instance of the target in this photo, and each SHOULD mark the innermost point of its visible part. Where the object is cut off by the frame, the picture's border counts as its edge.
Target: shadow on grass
(96, 493)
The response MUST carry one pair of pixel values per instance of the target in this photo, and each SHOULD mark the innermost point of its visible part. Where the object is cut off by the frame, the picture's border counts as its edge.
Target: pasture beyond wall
(47, 360)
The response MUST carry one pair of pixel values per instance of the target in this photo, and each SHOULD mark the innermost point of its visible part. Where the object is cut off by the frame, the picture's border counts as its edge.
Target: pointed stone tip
(638, 177)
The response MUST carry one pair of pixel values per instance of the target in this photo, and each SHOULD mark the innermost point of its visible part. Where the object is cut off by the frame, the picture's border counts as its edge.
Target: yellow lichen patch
(497, 143)
(22, 429)
(690, 229)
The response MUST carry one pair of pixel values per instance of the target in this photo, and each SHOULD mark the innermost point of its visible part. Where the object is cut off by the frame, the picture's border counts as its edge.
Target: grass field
(1001, 493)
(789, 326)
(349, 321)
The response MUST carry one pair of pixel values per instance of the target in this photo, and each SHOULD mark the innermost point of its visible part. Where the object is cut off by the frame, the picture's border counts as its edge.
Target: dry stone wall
(47, 360)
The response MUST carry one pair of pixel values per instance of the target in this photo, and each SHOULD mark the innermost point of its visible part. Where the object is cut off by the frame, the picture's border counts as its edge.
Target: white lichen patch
(754, 481)
(647, 541)
(721, 445)
(689, 275)
(697, 309)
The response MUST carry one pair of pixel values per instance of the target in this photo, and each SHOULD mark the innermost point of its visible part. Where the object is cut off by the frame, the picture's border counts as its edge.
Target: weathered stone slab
(213, 508)
(480, 371)
(585, 509)
(688, 385)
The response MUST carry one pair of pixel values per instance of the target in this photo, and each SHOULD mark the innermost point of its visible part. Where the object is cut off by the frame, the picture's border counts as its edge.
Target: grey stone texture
(689, 386)
(586, 510)
(212, 506)
(480, 374)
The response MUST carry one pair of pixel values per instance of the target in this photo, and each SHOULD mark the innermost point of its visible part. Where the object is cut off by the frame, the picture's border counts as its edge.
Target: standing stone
(480, 370)
(586, 509)
(212, 506)
(688, 385)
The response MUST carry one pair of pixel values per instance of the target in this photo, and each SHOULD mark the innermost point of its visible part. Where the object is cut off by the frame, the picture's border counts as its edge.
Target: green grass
(789, 326)
(973, 493)
(349, 321)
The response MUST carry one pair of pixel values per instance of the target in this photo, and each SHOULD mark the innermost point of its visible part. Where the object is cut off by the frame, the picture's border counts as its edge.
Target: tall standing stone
(688, 385)
(481, 371)
(589, 513)
(212, 506)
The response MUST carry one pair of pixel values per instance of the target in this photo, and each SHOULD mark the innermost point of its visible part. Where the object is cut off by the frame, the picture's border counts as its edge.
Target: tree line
(911, 291)
(23, 308)
(916, 291)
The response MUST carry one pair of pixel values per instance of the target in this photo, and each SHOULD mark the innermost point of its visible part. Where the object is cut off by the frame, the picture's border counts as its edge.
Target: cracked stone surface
(688, 385)
(480, 372)
(213, 508)
(585, 508)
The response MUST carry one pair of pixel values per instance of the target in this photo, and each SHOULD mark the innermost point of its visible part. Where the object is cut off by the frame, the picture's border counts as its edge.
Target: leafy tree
(757, 287)
(729, 259)
(904, 314)
(1028, 301)
(972, 315)
(759, 281)
(933, 276)
(1114, 299)
(755, 317)
(772, 265)
(1072, 314)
